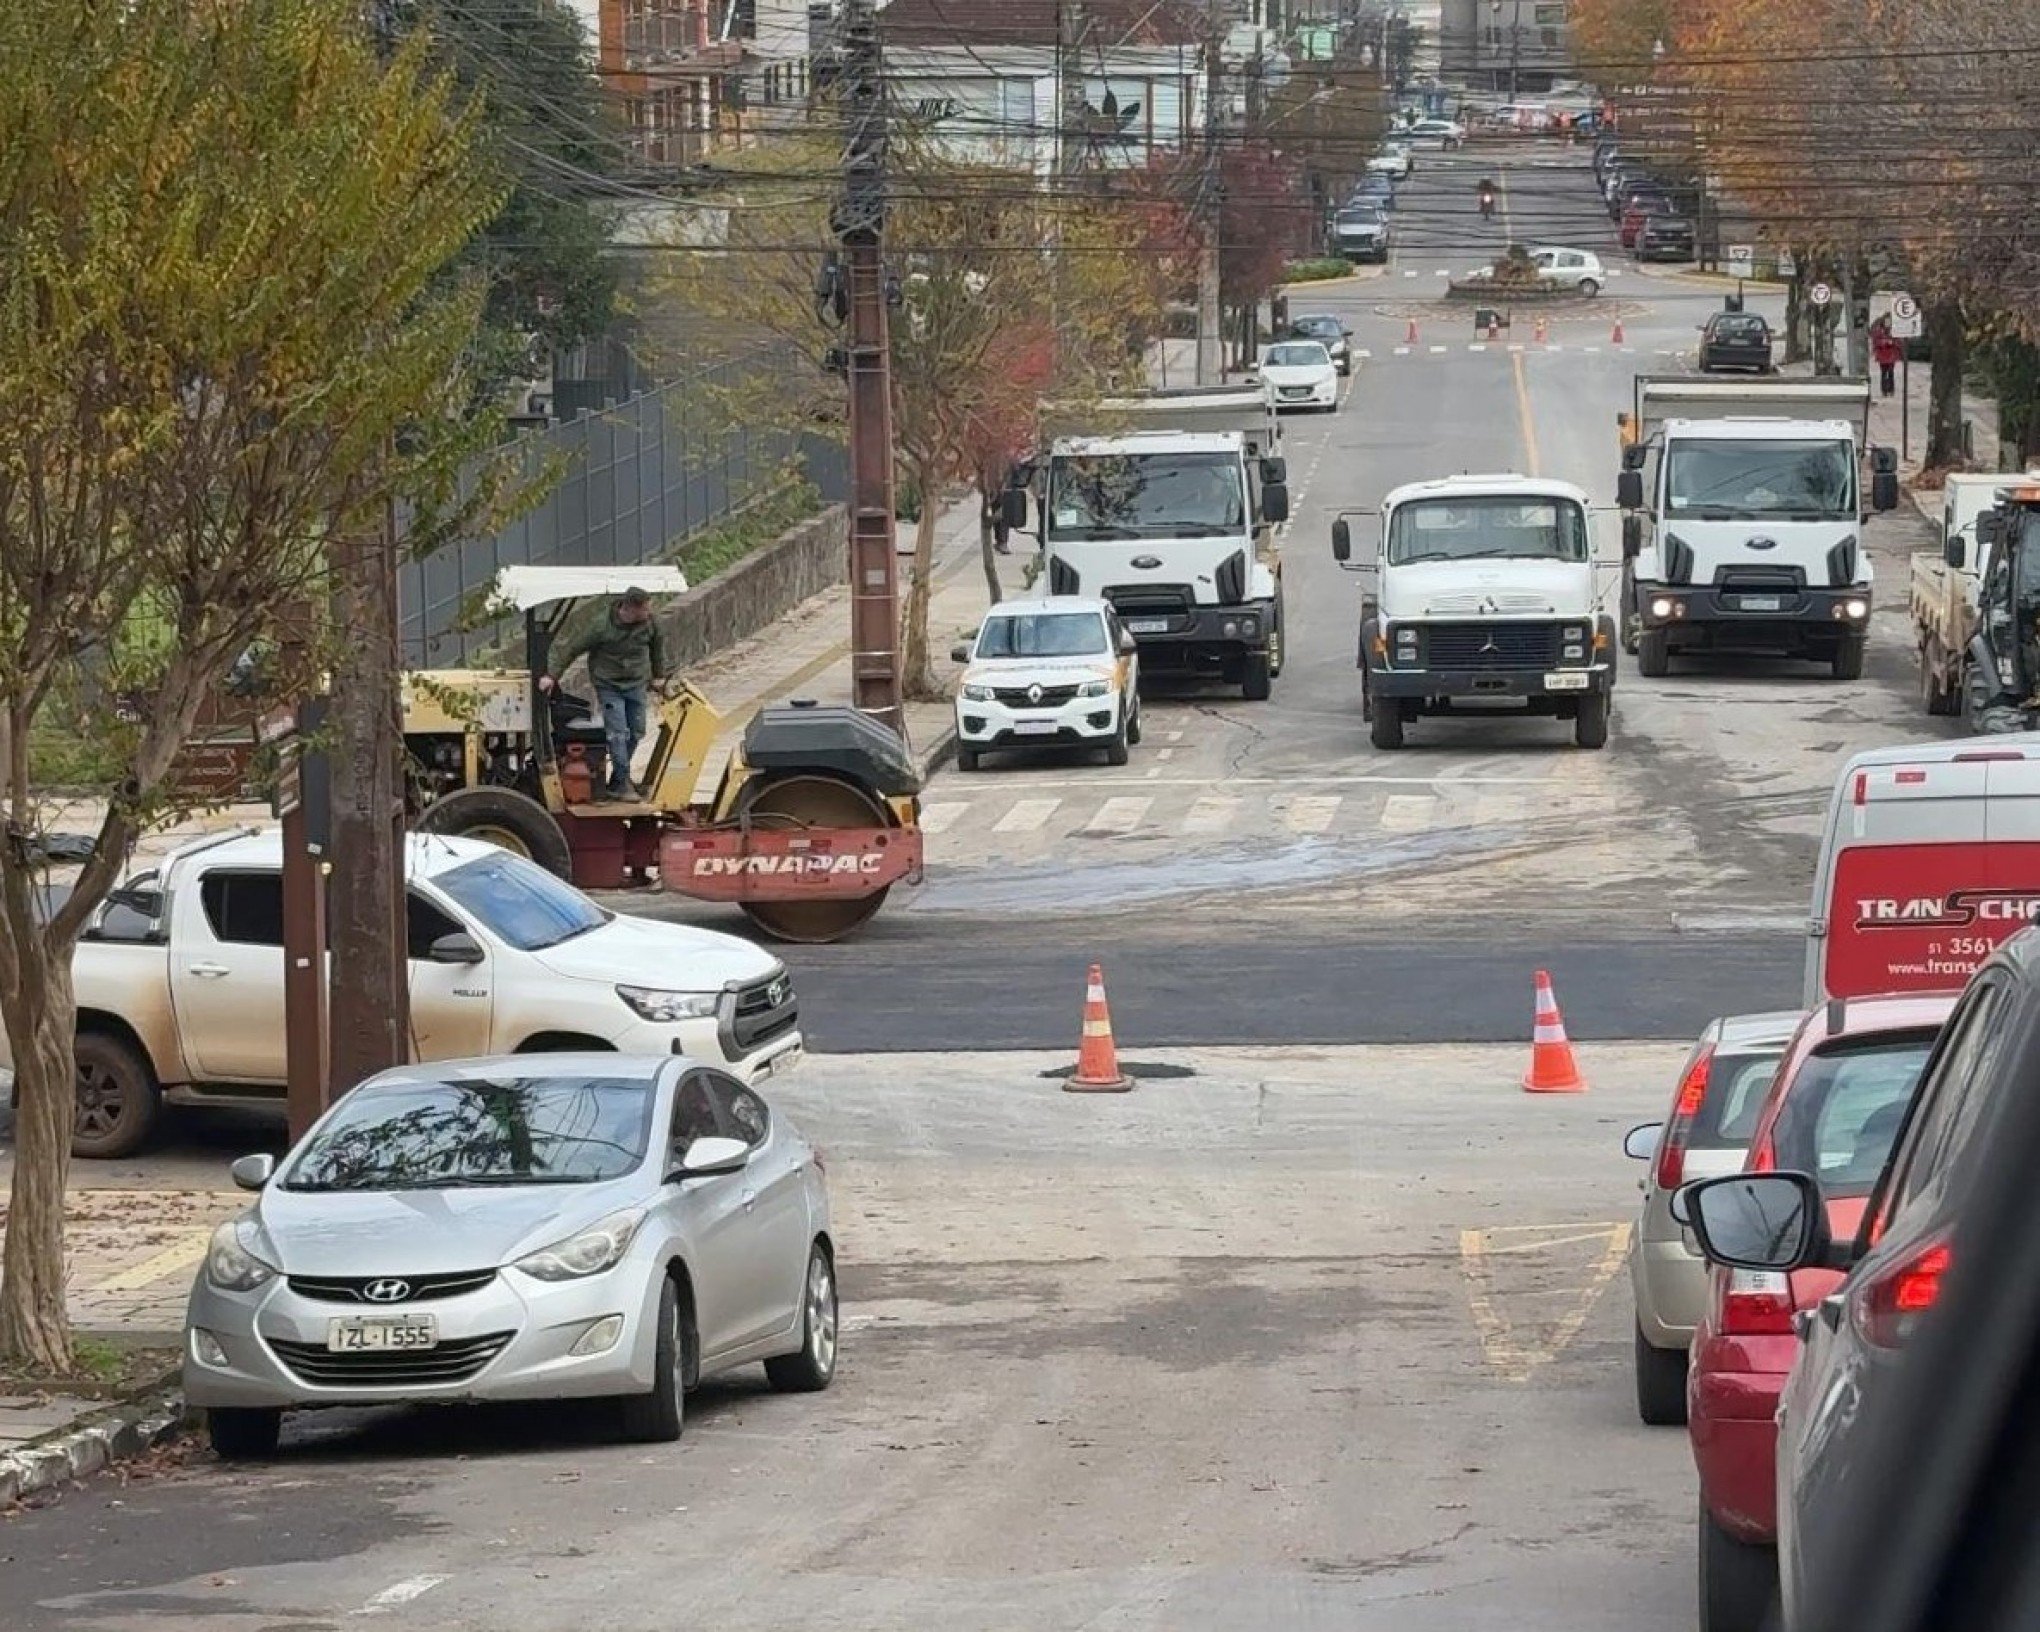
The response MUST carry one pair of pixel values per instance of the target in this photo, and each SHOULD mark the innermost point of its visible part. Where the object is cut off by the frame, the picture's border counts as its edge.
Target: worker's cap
(634, 596)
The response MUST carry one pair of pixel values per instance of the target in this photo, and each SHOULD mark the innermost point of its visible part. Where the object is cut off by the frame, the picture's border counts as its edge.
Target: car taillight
(1888, 1307)
(1755, 1302)
(1671, 1156)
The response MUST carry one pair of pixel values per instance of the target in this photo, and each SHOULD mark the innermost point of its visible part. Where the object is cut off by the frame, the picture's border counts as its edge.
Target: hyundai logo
(387, 1290)
(1147, 563)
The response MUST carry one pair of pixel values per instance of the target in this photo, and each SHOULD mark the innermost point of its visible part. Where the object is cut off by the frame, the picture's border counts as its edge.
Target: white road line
(1028, 816)
(1409, 812)
(1173, 736)
(404, 1592)
(1364, 354)
(941, 818)
(1476, 345)
(1212, 813)
(1312, 813)
(1409, 274)
(1513, 346)
(1402, 351)
(1165, 754)
(1438, 351)
(1591, 350)
(1120, 815)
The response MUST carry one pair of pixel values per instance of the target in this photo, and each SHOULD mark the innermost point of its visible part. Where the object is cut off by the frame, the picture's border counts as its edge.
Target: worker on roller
(625, 658)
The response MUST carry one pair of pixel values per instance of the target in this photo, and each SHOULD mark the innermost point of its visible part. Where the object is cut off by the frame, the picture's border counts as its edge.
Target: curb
(937, 751)
(118, 1433)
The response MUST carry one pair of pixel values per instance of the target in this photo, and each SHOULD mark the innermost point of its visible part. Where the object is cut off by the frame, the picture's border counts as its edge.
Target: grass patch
(1319, 269)
(748, 531)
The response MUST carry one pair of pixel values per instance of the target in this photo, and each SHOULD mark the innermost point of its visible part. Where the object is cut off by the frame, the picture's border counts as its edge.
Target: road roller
(813, 820)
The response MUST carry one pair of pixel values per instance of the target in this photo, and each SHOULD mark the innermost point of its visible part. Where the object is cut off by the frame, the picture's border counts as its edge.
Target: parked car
(1360, 232)
(518, 1228)
(1330, 332)
(1666, 238)
(1834, 1111)
(1715, 1104)
(1047, 673)
(1735, 340)
(1395, 159)
(1376, 190)
(1640, 208)
(1301, 374)
(1444, 134)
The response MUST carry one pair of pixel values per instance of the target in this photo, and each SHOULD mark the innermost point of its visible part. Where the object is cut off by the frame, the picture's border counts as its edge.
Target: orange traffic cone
(1097, 1060)
(1410, 339)
(1542, 330)
(1494, 327)
(1553, 1070)
(1616, 337)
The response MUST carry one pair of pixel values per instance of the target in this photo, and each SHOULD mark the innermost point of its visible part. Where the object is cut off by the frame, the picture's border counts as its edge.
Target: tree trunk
(41, 1017)
(917, 679)
(988, 540)
(1944, 401)
(365, 912)
(1796, 348)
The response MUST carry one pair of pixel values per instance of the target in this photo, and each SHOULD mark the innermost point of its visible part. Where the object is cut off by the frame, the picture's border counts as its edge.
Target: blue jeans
(623, 722)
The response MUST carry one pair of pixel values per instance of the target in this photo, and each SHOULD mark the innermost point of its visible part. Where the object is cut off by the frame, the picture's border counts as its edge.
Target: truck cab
(1173, 527)
(1745, 519)
(1485, 599)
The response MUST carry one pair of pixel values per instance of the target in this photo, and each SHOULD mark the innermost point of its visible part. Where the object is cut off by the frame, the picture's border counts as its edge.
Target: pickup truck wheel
(1257, 680)
(1590, 724)
(1654, 653)
(1116, 751)
(1385, 724)
(506, 818)
(118, 1101)
(1847, 663)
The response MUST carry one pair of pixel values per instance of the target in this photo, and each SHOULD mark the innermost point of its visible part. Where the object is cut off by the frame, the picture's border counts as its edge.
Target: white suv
(1053, 672)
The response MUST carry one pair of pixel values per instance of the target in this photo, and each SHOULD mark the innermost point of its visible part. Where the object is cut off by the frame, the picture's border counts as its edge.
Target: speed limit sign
(1820, 294)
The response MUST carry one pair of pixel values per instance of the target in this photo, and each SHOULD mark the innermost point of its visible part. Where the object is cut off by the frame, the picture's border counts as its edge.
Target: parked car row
(1803, 1194)
(1650, 213)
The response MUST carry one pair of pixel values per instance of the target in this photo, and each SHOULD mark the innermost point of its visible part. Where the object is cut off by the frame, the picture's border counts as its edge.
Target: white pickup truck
(179, 981)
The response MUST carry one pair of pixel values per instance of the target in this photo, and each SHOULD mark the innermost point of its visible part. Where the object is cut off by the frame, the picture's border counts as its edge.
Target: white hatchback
(1301, 374)
(1060, 671)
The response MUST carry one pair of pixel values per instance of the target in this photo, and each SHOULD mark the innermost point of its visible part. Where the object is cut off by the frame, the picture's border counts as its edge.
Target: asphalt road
(1299, 1340)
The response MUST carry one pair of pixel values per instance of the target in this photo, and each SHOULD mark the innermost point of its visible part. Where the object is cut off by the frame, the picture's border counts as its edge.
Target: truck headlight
(1661, 607)
(1576, 654)
(1857, 610)
(666, 1007)
(1250, 627)
(1574, 632)
(1095, 688)
(977, 693)
(595, 1249)
(234, 1260)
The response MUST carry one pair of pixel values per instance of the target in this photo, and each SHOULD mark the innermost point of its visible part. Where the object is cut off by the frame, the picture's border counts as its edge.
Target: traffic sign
(1742, 260)
(1788, 264)
(1820, 294)
(1904, 313)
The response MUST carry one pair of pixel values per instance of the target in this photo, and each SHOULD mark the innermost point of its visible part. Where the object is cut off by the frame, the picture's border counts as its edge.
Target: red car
(1640, 209)
(1833, 1111)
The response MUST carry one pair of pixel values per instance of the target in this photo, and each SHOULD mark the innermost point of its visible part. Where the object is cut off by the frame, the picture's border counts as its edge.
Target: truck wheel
(1590, 725)
(1256, 679)
(1385, 727)
(503, 817)
(1654, 653)
(118, 1103)
(1847, 663)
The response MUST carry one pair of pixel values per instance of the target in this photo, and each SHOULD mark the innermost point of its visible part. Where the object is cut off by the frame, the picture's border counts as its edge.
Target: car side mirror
(253, 1172)
(1761, 1221)
(1640, 1143)
(1884, 490)
(1274, 502)
(1634, 455)
(1955, 552)
(712, 1157)
(1013, 507)
(1127, 644)
(959, 653)
(1342, 540)
(458, 947)
(1629, 489)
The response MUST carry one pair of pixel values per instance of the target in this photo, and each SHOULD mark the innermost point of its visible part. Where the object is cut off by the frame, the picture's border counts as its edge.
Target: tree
(227, 336)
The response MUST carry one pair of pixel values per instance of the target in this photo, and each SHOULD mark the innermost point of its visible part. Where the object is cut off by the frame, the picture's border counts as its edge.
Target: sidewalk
(1887, 421)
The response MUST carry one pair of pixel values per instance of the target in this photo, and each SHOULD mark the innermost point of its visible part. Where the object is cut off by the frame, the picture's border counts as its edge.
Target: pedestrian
(625, 655)
(1887, 348)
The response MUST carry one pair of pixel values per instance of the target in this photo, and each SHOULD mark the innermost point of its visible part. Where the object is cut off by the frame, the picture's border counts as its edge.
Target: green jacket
(619, 654)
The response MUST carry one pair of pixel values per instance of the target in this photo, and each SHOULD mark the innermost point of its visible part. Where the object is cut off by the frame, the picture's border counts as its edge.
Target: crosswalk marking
(941, 818)
(1027, 816)
(1120, 815)
(1212, 813)
(1408, 812)
(1312, 813)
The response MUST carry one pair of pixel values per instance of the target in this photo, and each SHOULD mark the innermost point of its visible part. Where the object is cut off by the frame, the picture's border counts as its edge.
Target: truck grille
(764, 1010)
(419, 1288)
(1492, 645)
(451, 1362)
(1151, 600)
(1051, 696)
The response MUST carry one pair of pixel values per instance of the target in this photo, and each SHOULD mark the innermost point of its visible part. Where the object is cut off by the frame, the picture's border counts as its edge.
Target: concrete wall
(742, 599)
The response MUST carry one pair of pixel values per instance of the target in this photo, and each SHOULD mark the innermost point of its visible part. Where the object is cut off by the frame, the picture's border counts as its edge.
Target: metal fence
(633, 480)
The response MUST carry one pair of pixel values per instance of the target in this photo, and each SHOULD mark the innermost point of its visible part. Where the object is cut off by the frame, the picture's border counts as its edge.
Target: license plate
(1762, 603)
(410, 1332)
(1147, 626)
(780, 1064)
(1565, 682)
(1035, 728)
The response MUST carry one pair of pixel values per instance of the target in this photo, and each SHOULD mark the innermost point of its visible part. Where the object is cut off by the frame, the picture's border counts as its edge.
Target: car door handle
(1831, 1311)
(750, 1200)
(208, 971)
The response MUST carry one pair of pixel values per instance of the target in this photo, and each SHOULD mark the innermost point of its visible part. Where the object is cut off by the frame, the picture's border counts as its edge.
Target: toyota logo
(1034, 694)
(388, 1290)
(777, 992)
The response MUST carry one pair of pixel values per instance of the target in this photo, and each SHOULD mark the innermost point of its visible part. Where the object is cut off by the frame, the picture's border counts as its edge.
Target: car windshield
(1321, 327)
(1798, 481)
(457, 1135)
(1044, 634)
(1487, 526)
(519, 902)
(1311, 355)
(1843, 1108)
(1745, 327)
(1146, 495)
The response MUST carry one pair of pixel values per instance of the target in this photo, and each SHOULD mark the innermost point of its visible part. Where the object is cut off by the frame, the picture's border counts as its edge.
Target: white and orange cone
(1097, 1060)
(1616, 337)
(1553, 1069)
(1410, 336)
(1542, 331)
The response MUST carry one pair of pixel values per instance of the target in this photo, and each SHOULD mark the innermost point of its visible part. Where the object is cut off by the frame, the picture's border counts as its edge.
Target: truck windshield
(1055, 634)
(1792, 481)
(1488, 526)
(1145, 495)
(520, 903)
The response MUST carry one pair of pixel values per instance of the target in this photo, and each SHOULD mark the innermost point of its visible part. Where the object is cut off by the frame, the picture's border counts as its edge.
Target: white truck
(1944, 586)
(1485, 599)
(1165, 505)
(1744, 519)
(179, 981)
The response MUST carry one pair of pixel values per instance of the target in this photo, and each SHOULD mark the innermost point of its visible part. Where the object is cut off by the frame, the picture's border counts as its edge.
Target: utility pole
(860, 228)
(1069, 73)
(1210, 369)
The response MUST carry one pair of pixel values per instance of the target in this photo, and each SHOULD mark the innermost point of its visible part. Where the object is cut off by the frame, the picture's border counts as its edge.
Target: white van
(1931, 857)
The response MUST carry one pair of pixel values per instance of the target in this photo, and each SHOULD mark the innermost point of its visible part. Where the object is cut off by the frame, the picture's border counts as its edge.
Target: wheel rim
(101, 1099)
(502, 838)
(821, 1315)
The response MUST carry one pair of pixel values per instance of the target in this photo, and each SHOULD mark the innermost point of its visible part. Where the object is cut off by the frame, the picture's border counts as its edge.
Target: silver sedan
(535, 1227)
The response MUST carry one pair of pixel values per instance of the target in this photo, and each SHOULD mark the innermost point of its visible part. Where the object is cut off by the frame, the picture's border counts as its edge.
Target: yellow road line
(1531, 462)
(159, 1265)
(1499, 1345)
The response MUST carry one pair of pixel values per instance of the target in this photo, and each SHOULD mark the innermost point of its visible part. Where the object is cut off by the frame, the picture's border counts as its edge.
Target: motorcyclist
(1487, 199)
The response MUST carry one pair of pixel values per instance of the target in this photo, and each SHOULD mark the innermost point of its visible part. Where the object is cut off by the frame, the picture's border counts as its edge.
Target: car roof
(1733, 1031)
(1501, 483)
(1026, 605)
(1858, 1018)
(430, 853)
(1937, 753)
